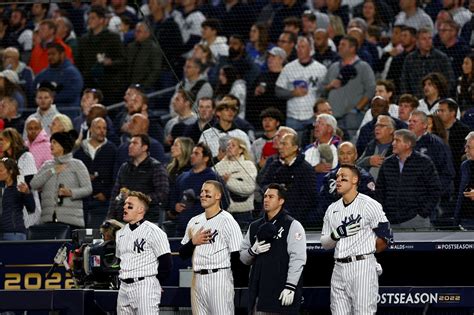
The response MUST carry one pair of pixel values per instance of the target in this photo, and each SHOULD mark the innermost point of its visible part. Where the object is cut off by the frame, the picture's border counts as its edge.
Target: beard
(233, 53)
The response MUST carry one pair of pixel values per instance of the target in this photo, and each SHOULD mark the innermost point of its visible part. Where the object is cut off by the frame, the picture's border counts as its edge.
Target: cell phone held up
(60, 198)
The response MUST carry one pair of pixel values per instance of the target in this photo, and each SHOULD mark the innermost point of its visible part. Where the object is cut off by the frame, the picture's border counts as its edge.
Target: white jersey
(139, 250)
(295, 74)
(423, 107)
(190, 24)
(371, 214)
(226, 238)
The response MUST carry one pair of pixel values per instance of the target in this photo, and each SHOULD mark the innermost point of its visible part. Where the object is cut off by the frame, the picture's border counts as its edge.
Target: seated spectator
(231, 83)
(63, 75)
(15, 196)
(98, 155)
(9, 114)
(301, 200)
(408, 186)
(141, 173)
(347, 154)
(63, 182)
(138, 125)
(379, 106)
(11, 60)
(407, 103)
(9, 86)
(46, 109)
(206, 119)
(182, 106)
(379, 148)
(239, 173)
(47, 35)
(184, 200)
(37, 141)
(322, 153)
(194, 82)
(226, 110)
(464, 212)
(263, 94)
(211, 31)
(143, 59)
(262, 148)
(258, 45)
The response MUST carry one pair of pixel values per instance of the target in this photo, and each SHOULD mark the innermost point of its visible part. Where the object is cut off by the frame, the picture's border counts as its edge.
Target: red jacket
(39, 56)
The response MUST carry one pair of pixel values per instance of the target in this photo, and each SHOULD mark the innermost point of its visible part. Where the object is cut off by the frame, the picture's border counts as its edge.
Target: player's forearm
(187, 250)
(327, 242)
(165, 265)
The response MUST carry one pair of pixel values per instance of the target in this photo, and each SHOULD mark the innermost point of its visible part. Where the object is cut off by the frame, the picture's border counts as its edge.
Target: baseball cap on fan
(277, 51)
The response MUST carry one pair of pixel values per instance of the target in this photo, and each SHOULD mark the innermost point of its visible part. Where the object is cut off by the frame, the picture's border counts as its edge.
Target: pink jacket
(40, 148)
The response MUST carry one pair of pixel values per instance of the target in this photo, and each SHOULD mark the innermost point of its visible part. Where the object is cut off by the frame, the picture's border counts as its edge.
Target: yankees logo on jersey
(213, 237)
(138, 245)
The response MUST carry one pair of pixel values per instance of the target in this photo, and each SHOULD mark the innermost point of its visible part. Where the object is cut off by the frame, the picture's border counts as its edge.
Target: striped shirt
(363, 242)
(226, 239)
(139, 250)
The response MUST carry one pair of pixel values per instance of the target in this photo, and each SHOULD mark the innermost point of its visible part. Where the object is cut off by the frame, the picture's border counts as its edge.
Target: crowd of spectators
(264, 91)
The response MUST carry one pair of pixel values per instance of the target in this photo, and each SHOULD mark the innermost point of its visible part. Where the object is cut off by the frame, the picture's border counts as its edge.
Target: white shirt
(423, 107)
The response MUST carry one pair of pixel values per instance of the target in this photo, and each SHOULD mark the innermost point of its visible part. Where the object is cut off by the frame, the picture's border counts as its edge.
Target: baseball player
(211, 238)
(145, 259)
(275, 246)
(356, 227)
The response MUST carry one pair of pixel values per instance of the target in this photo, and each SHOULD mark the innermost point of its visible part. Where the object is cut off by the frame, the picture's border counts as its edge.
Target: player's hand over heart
(201, 236)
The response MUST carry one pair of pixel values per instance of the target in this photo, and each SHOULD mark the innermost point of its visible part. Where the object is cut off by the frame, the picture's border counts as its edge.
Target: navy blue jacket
(367, 133)
(12, 215)
(465, 206)
(300, 181)
(415, 190)
(434, 147)
(102, 167)
(69, 83)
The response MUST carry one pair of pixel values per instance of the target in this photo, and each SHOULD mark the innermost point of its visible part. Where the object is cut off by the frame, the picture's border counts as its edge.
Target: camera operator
(145, 255)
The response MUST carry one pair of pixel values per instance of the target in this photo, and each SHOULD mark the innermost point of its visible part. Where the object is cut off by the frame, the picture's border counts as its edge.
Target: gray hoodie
(75, 177)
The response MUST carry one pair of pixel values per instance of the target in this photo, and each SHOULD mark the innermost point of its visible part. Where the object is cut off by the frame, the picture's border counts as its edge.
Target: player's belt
(351, 258)
(208, 271)
(132, 280)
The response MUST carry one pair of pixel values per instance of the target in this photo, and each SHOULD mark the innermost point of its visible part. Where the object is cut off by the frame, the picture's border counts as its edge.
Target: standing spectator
(436, 127)
(211, 29)
(20, 35)
(464, 212)
(301, 199)
(349, 85)
(379, 148)
(290, 8)
(39, 54)
(422, 61)
(258, 45)
(182, 106)
(37, 141)
(322, 51)
(236, 16)
(287, 42)
(60, 123)
(101, 57)
(458, 11)
(143, 59)
(15, 196)
(9, 114)
(63, 183)
(277, 262)
(238, 171)
(11, 60)
(39, 12)
(65, 31)
(9, 86)
(457, 131)
(298, 83)
(144, 174)
(98, 155)
(184, 200)
(64, 75)
(89, 98)
(465, 81)
(205, 111)
(262, 148)
(230, 82)
(263, 95)
(46, 109)
(413, 16)
(189, 23)
(408, 185)
(452, 46)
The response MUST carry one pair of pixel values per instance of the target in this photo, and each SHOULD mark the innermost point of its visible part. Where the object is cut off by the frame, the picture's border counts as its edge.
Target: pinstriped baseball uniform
(138, 250)
(354, 285)
(213, 293)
